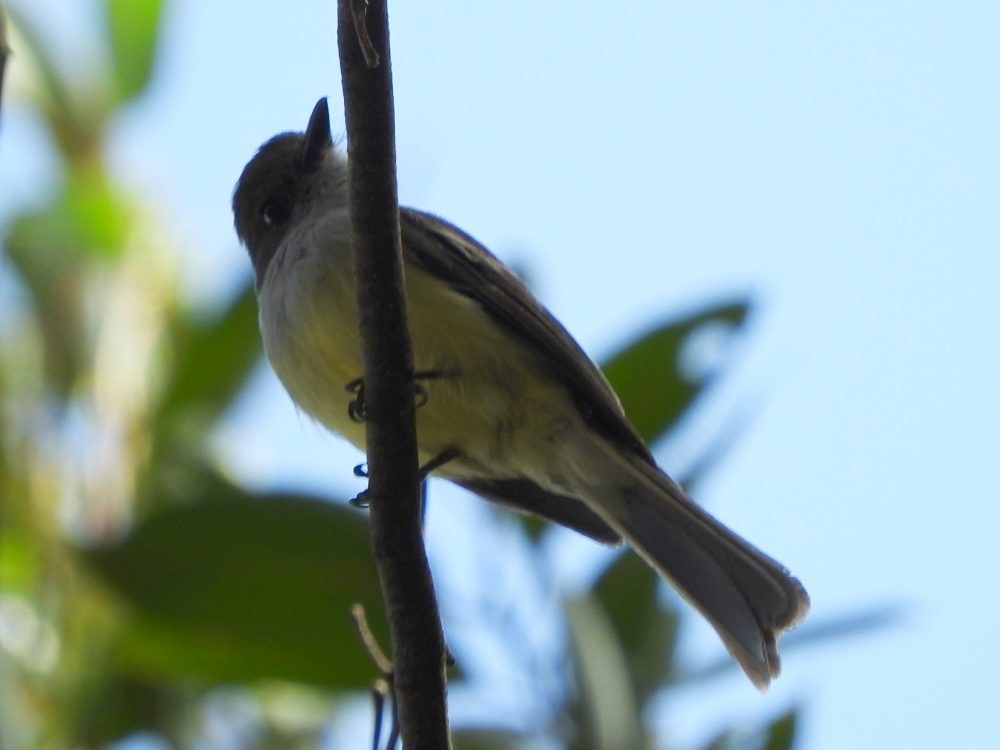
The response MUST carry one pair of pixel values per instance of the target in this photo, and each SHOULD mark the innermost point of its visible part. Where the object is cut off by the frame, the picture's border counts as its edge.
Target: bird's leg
(357, 412)
(437, 462)
(356, 409)
(449, 454)
(361, 499)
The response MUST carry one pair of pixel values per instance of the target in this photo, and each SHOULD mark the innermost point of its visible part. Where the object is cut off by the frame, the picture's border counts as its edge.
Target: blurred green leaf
(38, 57)
(777, 735)
(781, 732)
(76, 112)
(607, 716)
(247, 587)
(533, 526)
(38, 248)
(650, 377)
(133, 29)
(647, 631)
(18, 556)
(50, 250)
(89, 219)
(484, 738)
(98, 214)
(214, 358)
(124, 705)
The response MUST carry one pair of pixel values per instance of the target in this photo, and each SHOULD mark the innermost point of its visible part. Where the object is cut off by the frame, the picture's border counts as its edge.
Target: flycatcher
(528, 420)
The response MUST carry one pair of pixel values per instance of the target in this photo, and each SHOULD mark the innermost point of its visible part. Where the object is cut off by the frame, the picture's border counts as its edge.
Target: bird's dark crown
(269, 184)
(274, 189)
(291, 174)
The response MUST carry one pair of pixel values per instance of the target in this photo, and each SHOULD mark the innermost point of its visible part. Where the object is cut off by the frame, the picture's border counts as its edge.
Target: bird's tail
(748, 597)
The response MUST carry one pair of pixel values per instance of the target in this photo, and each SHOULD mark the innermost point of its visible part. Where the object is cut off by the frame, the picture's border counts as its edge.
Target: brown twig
(417, 642)
(359, 8)
(4, 50)
(369, 641)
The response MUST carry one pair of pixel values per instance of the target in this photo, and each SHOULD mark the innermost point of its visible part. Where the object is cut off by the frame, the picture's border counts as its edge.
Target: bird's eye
(275, 211)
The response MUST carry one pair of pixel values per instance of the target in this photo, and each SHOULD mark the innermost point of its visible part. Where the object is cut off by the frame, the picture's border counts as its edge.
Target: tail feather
(748, 597)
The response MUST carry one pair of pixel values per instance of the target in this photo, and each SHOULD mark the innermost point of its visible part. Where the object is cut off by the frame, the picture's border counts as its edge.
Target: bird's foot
(357, 409)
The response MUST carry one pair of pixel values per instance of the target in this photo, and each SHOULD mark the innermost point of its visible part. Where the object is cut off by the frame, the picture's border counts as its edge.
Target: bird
(511, 407)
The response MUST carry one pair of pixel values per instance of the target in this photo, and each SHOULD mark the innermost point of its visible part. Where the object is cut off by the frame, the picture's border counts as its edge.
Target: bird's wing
(527, 497)
(448, 253)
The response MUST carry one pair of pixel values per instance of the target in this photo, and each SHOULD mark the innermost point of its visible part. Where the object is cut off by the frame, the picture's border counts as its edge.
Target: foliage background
(838, 159)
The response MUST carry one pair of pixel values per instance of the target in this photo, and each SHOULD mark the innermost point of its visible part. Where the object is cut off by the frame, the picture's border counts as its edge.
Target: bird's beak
(318, 139)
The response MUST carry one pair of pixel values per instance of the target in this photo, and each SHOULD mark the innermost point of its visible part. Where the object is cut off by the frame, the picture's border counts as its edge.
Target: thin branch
(369, 641)
(417, 643)
(4, 50)
(359, 8)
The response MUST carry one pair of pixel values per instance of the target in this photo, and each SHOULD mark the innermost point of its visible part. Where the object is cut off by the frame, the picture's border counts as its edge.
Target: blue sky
(837, 160)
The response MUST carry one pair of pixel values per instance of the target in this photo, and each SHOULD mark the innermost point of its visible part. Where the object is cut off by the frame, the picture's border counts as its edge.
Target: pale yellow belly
(492, 403)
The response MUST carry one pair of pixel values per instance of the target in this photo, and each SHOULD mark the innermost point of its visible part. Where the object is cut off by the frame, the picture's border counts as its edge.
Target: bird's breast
(485, 392)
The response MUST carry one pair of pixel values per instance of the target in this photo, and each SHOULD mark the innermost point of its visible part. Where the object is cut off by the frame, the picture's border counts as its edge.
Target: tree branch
(4, 49)
(415, 626)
